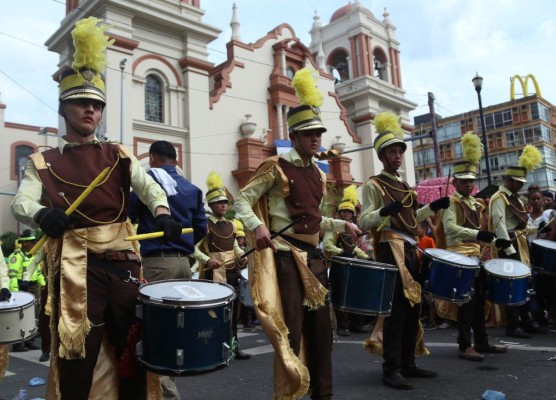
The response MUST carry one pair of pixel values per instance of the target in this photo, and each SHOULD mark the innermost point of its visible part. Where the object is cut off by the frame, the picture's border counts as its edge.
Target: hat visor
(393, 141)
(217, 199)
(310, 126)
(519, 179)
(84, 95)
(465, 175)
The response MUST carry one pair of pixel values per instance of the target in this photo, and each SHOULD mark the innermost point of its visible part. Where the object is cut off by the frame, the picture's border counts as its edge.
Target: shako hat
(307, 116)
(389, 130)
(216, 190)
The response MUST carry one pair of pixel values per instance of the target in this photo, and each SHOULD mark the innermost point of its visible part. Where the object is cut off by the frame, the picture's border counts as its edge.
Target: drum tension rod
(132, 279)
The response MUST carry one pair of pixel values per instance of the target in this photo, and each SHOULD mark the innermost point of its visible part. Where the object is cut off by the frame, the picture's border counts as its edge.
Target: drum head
(451, 258)
(507, 268)
(18, 299)
(361, 263)
(245, 274)
(193, 292)
(547, 244)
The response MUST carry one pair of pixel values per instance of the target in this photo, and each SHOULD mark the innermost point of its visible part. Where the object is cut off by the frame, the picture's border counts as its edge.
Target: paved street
(525, 372)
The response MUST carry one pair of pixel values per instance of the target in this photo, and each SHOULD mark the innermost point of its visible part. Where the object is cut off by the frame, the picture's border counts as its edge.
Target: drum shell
(543, 257)
(244, 290)
(448, 280)
(183, 337)
(17, 318)
(507, 290)
(361, 286)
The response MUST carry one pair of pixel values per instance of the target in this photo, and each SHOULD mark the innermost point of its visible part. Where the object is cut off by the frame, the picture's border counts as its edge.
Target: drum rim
(527, 275)
(434, 258)
(143, 298)
(241, 274)
(14, 306)
(536, 242)
(364, 263)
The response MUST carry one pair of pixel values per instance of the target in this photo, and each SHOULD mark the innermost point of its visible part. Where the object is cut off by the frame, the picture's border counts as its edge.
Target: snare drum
(451, 275)
(17, 318)
(186, 326)
(507, 281)
(244, 291)
(362, 286)
(543, 256)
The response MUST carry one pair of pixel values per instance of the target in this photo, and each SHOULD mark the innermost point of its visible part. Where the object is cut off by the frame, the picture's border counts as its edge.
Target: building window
(458, 151)
(514, 138)
(153, 99)
(20, 159)
(339, 63)
(449, 131)
(380, 61)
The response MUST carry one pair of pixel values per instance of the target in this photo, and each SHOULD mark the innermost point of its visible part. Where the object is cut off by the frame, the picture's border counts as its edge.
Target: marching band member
(463, 231)
(5, 295)
(389, 196)
(218, 252)
(508, 220)
(288, 279)
(91, 267)
(342, 244)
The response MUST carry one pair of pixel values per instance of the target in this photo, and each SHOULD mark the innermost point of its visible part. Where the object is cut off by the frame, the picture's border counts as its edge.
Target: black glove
(443, 202)
(502, 243)
(53, 221)
(170, 227)
(391, 209)
(5, 294)
(24, 286)
(485, 236)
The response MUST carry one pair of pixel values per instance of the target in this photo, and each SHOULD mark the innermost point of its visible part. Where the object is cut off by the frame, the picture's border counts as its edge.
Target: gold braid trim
(4, 360)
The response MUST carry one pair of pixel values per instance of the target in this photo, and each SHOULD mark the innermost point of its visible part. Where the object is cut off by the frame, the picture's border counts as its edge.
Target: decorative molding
(162, 60)
(138, 141)
(344, 117)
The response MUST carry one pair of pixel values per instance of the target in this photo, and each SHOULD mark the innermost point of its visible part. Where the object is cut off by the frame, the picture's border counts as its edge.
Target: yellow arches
(524, 84)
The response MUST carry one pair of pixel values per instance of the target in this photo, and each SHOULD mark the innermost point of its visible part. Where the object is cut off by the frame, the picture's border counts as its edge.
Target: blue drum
(185, 326)
(507, 281)
(362, 286)
(543, 256)
(451, 275)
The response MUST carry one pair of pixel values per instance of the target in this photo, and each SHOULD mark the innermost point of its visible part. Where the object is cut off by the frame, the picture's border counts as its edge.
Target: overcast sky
(443, 44)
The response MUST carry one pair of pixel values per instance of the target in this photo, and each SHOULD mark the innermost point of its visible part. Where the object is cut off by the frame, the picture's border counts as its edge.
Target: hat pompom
(90, 44)
(306, 89)
(214, 181)
(472, 148)
(530, 158)
(388, 122)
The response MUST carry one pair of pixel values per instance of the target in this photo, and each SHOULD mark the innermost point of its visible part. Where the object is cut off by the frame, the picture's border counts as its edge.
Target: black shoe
(19, 348)
(517, 333)
(344, 332)
(417, 372)
(240, 355)
(396, 381)
(44, 357)
(31, 346)
(535, 329)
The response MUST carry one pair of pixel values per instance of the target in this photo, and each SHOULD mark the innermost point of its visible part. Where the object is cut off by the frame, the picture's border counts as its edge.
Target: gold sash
(227, 258)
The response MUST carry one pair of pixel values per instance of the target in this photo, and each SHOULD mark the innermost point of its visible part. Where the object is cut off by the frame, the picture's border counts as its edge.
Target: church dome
(345, 10)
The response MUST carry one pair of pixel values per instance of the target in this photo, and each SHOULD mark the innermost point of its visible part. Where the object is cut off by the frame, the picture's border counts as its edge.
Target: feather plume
(350, 194)
(214, 181)
(530, 158)
(388, 122)
(472, 148)
(237, 224)
(90, 44)
(306, 89)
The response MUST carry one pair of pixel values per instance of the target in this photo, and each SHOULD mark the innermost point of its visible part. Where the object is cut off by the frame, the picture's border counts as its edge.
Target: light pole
(122, 67)
(478, 82)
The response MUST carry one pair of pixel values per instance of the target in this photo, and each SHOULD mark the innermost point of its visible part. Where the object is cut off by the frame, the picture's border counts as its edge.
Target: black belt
(167, 253)
(312, 252)
(117, 255)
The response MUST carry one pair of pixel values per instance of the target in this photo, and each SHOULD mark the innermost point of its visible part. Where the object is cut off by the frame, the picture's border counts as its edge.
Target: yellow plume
(530, 158)
(214, 181)
(350, 194)
(472, 148)
(238, 225)
(306, 89)
(388, 122)
(90, 44)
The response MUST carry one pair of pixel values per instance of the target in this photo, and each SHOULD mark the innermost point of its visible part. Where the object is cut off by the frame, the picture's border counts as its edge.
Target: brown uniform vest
(406, 219)
(472, 217)
(346, 242)
(70, 172)
(305, 196)
(220, 236)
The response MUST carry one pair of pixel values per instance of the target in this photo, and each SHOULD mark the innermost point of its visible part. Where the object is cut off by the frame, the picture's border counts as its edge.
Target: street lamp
(122, 67)
(478, 82)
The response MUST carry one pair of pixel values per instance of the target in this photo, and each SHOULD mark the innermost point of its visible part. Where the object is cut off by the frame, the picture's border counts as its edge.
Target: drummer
(218, 252)
(508, 220)
(389, 201)
(344, 245)
(463, 232)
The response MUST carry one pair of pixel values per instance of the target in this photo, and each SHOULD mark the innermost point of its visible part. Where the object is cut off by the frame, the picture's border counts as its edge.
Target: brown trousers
(313, 325)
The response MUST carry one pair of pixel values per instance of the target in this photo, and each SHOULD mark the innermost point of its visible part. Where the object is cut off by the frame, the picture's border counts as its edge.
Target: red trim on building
(343, 117)
(162, 60)
(14, 145)
(354, 58)
(125, 43)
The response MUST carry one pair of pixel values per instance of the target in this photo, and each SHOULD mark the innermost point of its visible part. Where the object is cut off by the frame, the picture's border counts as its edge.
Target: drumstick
(494, 230)
(448, 182)
(274, 235)
(74, 205)
(154, 235)
(522, 233)
(383, 224)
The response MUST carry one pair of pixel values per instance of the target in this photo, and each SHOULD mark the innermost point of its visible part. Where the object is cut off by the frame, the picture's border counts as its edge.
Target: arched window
(380, 61)
(20, 158)
(153, 99)
(338, 61)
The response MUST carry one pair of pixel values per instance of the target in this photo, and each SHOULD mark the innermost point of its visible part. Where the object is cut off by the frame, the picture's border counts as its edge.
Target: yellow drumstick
(154, 235)
(388, 217)
(74, 205)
